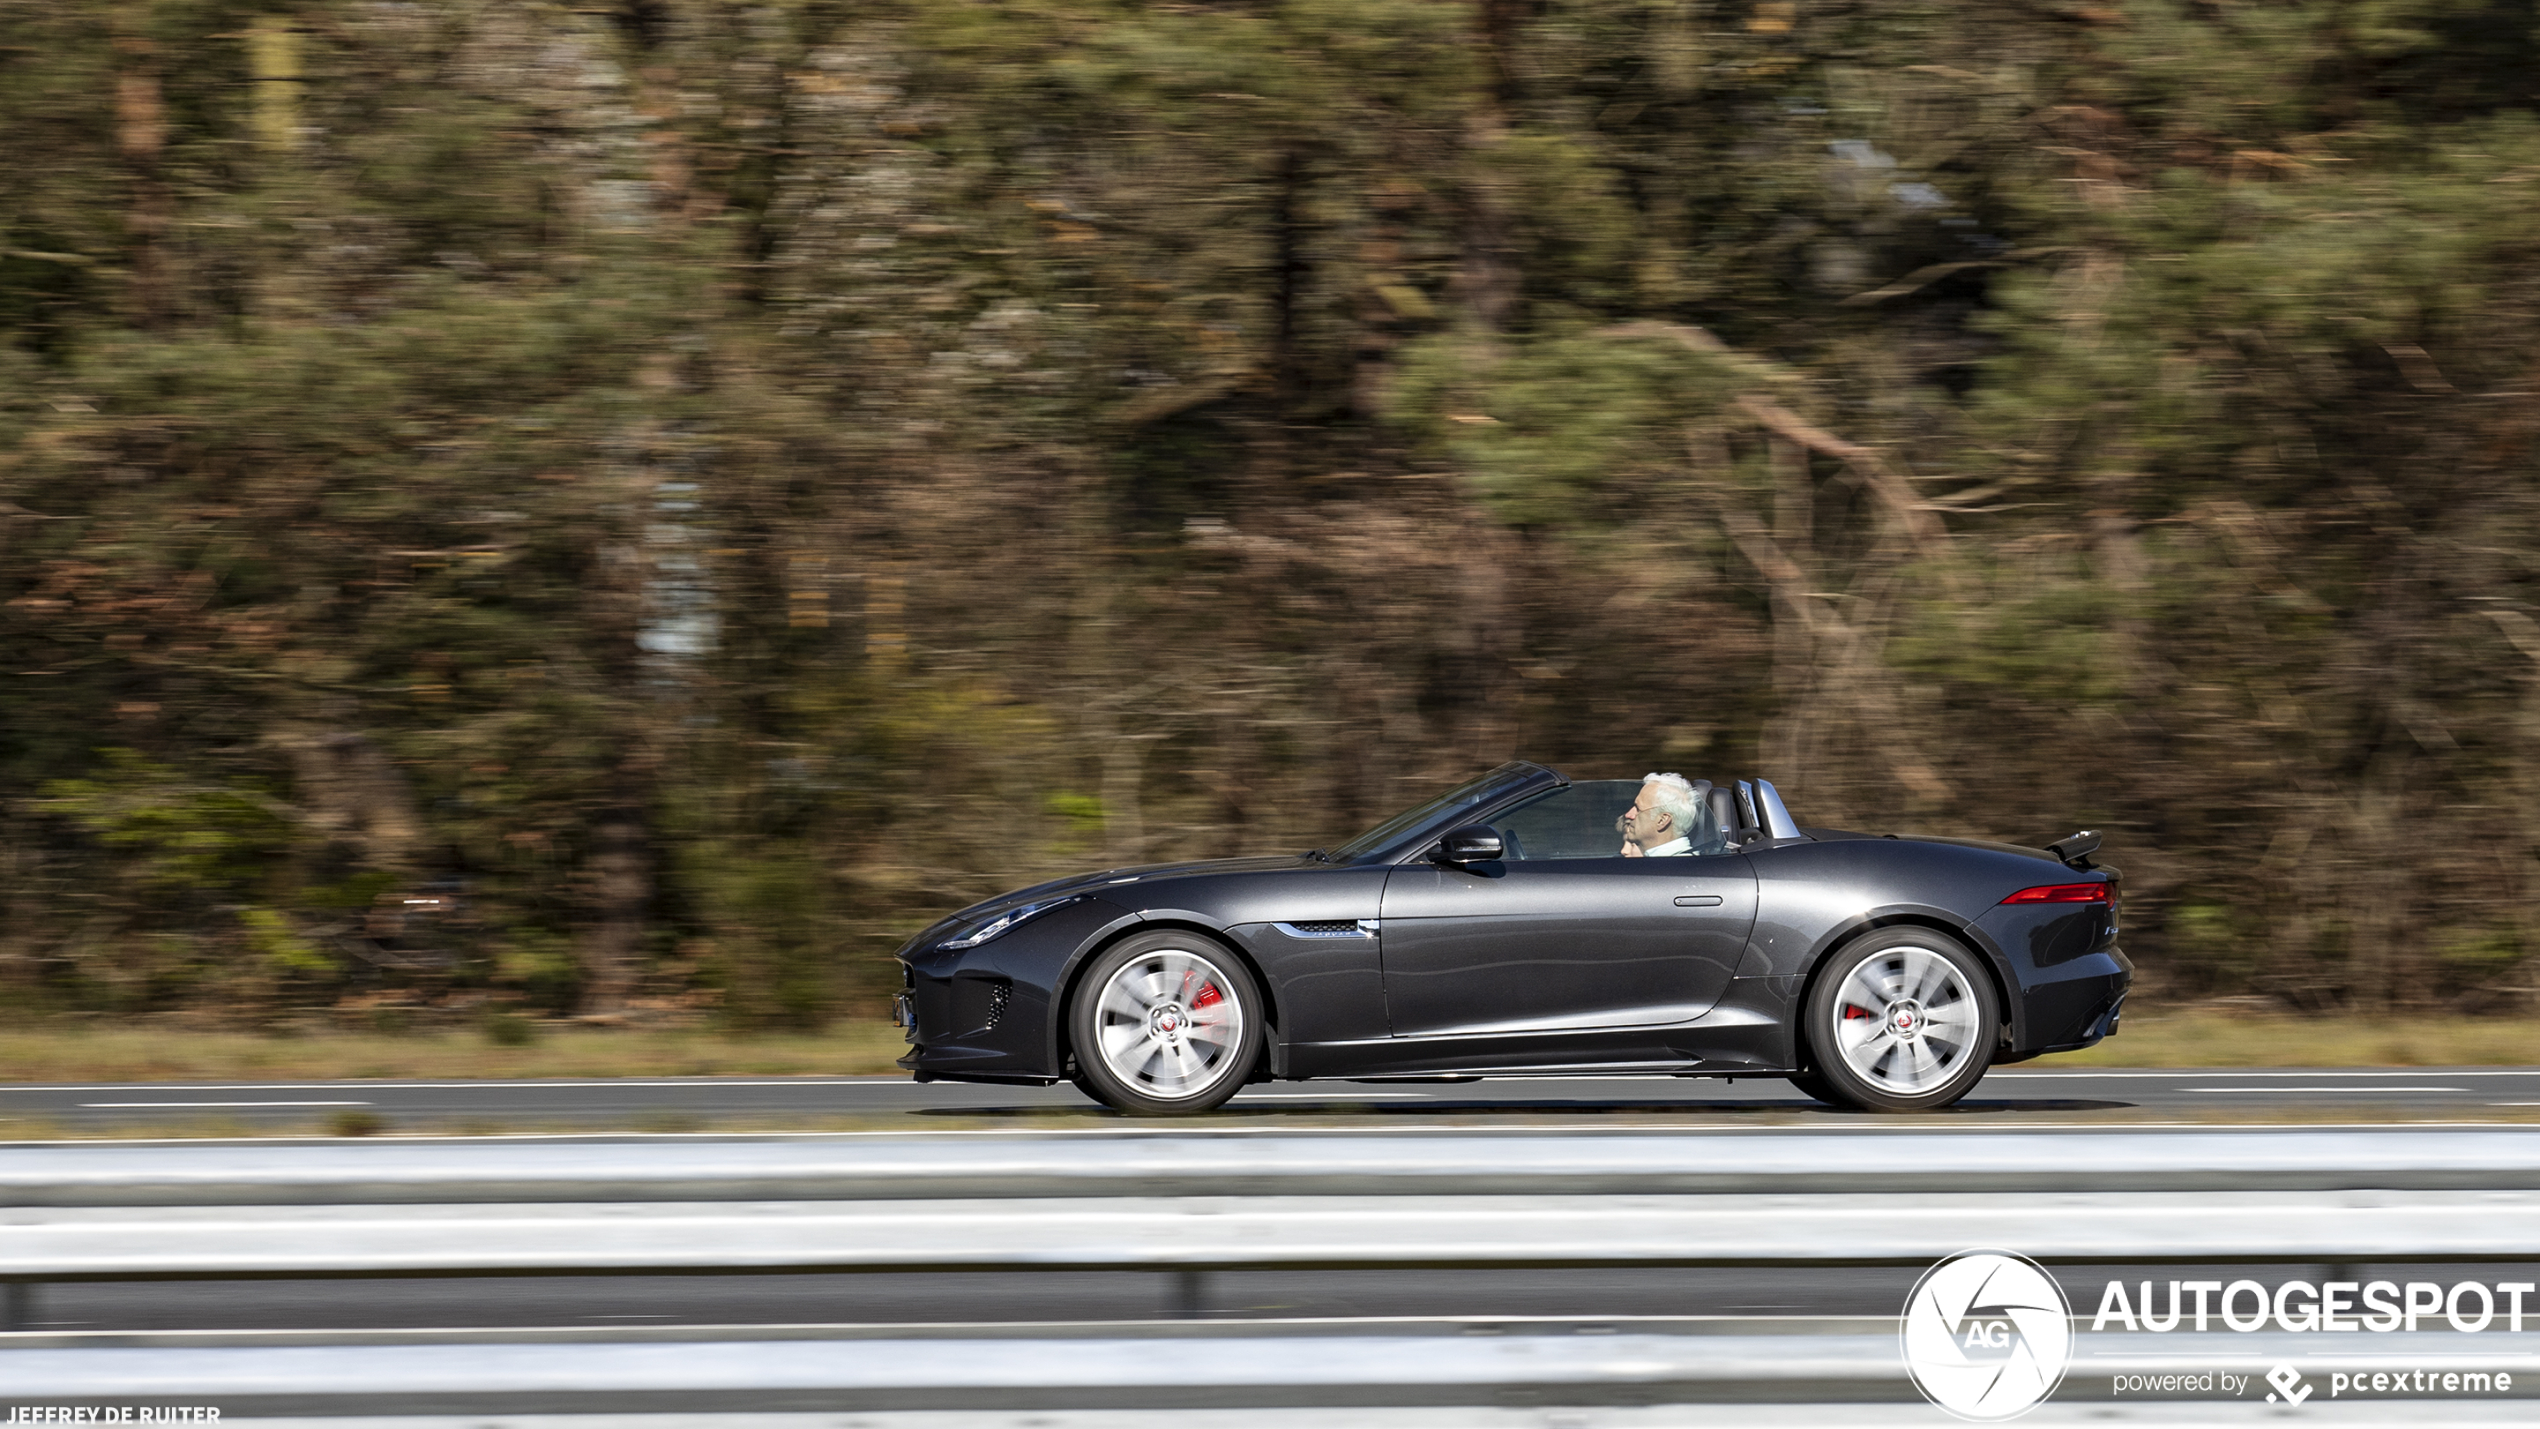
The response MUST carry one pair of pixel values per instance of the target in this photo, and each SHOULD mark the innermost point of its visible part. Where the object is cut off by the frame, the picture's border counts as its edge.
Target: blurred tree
(687, 492)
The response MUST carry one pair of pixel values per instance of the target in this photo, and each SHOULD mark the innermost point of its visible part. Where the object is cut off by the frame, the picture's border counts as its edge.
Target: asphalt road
(2026, 1095)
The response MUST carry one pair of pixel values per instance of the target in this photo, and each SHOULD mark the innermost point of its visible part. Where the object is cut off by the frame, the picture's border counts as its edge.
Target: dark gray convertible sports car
(1496, 929)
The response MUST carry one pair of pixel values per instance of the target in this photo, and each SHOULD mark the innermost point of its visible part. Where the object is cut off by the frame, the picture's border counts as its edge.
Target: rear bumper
(2068, 976)
(2077, 1009)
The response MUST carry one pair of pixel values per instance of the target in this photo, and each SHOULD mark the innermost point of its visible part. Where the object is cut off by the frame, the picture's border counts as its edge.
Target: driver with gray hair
(1661, 822)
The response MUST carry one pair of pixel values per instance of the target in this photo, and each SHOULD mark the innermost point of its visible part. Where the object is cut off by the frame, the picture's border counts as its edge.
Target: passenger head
(1668, 809)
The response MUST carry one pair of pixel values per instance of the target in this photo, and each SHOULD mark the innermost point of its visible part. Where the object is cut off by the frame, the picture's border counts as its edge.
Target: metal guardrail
(1187, 1206)
(1267, 1232)
(1119, 1372)
(478, 1208)
(1213, 1162)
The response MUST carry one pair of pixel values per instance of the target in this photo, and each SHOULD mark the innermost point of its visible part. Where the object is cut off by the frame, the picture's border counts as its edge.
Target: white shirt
(1671, 849)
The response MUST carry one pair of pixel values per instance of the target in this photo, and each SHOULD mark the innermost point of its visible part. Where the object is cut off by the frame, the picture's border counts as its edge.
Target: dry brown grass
(93, 1054)
(2218, 1039)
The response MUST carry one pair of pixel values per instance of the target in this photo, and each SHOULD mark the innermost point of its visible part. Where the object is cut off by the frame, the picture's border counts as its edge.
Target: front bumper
(990, 1013)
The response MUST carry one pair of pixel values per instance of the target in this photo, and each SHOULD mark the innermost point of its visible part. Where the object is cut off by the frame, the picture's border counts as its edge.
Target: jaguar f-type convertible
(1498, 930)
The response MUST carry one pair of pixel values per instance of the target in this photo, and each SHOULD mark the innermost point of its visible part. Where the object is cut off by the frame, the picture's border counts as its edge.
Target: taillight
(2061, 893)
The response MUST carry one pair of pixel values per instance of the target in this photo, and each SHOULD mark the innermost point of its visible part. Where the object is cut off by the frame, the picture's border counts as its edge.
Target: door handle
(1699, 900)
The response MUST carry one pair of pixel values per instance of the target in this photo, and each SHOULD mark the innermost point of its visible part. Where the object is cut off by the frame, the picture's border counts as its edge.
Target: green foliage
(1082, 810)
(509, 1029)
(175, 834)
(539, 964)
(2210, 943)
(271, 937)
(1551, 432)
(2030, 635)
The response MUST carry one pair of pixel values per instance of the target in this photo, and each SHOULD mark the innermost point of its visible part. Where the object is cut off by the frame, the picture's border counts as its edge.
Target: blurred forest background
(629, 509)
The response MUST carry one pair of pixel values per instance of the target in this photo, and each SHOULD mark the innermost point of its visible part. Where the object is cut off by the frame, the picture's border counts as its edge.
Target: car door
(1576, 939)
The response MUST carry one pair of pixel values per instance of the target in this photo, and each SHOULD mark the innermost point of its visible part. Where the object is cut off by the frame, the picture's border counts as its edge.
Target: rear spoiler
(2076, 850)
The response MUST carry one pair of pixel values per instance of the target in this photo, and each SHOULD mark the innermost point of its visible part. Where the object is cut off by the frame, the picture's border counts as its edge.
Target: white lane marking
(2278, 1091)
(1330, 1096)
(1593, 1077)
(2251, 1072)
(102, 1106)
(1823, 1126)
(375, 1084)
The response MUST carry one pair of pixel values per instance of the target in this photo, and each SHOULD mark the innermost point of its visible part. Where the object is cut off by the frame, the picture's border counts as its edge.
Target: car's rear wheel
(1165, 1024)
(1902, 1020)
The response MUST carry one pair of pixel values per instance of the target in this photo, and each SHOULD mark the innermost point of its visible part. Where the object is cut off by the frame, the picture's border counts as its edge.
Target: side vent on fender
(1330, 928)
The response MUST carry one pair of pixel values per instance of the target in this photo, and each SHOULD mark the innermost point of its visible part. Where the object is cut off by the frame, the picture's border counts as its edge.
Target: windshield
(1441, 813)
(1582, 821)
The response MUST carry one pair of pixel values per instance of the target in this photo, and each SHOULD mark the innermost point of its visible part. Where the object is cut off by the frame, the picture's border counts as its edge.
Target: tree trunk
(141, 133)
(1794, 647)
(1486, 279)
(621, 888)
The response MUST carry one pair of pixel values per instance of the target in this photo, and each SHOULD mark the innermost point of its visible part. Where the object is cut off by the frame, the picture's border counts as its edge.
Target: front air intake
(979, 1003)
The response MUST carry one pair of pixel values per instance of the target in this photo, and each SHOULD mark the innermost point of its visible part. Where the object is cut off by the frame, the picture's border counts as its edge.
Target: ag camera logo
(1987, 1335)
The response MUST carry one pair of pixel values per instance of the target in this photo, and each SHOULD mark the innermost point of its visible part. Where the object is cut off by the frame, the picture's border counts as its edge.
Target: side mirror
(1473, 843)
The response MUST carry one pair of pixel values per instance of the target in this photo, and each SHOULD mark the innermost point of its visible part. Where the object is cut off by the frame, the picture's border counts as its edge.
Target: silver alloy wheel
(1169, 1024)
(1905, 1020)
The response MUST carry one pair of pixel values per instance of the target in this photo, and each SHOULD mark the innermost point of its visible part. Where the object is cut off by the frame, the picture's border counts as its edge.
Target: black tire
(1076, 1078)
(1936, 1024)
(1813, 1083)
(1138, 1019)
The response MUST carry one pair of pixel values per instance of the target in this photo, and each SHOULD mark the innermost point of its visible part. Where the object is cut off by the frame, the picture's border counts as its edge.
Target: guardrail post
(17, 1308)
(1190, 1295)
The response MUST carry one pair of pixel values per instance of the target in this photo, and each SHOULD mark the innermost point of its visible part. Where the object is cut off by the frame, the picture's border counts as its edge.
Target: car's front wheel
(1813, 1083)
(1902, 1020)
(1165, 1024)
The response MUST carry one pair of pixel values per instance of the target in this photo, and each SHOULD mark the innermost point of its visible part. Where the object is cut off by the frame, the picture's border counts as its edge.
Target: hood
(1137, 873)
(1099, 881)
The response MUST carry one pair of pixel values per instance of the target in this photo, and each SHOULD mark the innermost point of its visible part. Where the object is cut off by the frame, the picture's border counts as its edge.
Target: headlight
(1004, 922)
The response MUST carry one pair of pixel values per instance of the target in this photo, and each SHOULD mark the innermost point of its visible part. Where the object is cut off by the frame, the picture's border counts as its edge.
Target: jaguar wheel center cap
(1167, 1020)
(1905, 1019)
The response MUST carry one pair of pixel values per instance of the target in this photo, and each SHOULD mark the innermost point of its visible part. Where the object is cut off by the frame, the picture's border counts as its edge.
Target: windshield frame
(1470, 802)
